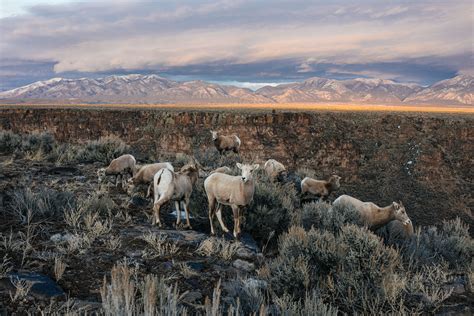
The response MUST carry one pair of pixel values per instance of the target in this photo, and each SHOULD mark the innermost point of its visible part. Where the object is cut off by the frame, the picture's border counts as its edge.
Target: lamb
(274, 169)
(145, 175)
(235, 191)
(396, 230)
(223, 169)
(320, 188)
(174, 186)
(226, 143)
(373, 215)
(119, 167)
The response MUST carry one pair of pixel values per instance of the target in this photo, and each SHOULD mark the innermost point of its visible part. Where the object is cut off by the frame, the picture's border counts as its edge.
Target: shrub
(323, 216)
(272, 208)
(312, 304)
(9, 142)
(104, 150)
(43, 142)
(352, 268)
(431, 245)
(44, 204)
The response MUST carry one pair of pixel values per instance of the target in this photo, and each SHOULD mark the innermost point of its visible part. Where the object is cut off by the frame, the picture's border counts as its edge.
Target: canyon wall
(424, 160)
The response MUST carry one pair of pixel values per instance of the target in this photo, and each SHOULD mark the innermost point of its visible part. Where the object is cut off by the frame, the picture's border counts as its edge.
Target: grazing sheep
(226, 143)
(235, 191)
(396, 230)
(274, 169)
(176, 186)
(373, 215)
(320, 188)
(223, 169)
(119, 167)
(145, 175)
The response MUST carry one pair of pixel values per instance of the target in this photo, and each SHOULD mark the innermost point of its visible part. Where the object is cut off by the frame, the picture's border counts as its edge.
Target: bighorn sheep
(373, 215)
(273, 168)
(226, 143)
(320, 188)
(235, 191)
(396, 230)
(223, 169)
(119, 167)
(176, 186)
(145, 175)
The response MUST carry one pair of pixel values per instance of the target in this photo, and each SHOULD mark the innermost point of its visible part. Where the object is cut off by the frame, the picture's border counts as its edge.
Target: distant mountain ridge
(156, 89)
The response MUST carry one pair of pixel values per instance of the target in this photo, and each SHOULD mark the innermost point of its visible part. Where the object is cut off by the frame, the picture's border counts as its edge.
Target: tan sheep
(273, 168)
(174, 186)
(225, 143)
(223, 169)
(374, 216)
(320, 188)
(235, 191)
(145, 176)
(119, 167)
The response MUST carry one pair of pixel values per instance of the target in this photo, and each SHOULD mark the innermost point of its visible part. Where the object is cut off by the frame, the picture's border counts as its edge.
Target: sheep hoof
(188, 227)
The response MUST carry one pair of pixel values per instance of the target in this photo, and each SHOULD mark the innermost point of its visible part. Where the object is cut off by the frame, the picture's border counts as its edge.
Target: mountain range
(155, 89)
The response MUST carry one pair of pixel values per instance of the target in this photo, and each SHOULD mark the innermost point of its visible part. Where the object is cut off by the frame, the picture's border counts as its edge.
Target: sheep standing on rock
(374, 216)
(235, 191)
(226, 143)
(119, 167)
(145, 175)
(320, 188)
(274, 169)
(175, 186)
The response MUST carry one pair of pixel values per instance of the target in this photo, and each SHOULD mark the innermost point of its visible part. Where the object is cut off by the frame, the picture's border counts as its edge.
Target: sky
(246, 43)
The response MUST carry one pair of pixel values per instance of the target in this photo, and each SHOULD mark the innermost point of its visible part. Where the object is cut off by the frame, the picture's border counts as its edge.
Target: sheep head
(247, 171)
(400, 213)
(214, 135)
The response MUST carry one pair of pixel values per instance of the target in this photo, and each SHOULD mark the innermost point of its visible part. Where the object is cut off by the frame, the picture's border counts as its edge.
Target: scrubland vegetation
(313, 259)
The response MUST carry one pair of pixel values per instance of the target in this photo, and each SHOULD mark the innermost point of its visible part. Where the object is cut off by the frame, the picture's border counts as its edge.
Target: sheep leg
(219, 217)
(235, 211)
(178, 213)
(156, 214)
(212, 205)
(186, 209)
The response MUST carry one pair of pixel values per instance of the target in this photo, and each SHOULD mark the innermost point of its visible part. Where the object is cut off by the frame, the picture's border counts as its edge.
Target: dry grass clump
(218, 247)
(59, 268)
(44, 204)
(128, 294)
(104, 150)
(160, 245)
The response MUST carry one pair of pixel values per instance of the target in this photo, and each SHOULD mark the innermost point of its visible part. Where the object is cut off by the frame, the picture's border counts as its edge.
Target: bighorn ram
(226, 143)
(145, 175)
(273, 168)
(119, 167)
(373, 215)
(235, 191)
(320, 188)
(175, 186)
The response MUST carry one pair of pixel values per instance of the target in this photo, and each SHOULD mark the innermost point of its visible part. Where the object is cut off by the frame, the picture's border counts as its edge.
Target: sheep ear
(396, 206)
(239, 165)
(255, 166)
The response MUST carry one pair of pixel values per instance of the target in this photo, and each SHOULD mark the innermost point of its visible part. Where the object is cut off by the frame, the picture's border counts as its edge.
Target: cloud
(170, 36)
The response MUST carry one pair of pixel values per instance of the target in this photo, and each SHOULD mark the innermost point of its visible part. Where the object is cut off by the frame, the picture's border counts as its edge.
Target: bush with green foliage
(271, 211)
(9, 142)
(104, 150)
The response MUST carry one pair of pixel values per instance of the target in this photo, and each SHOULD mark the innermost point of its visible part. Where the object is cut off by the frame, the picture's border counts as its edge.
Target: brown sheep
(374, 216)
(145, 175)
(273, 168)
(320, 188)
(223, 169)
(119, 167)
(226, 143)
(174, 186)
(235, 191)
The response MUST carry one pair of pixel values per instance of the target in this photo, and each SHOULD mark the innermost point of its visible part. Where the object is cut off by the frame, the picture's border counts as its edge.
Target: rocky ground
(190, 258)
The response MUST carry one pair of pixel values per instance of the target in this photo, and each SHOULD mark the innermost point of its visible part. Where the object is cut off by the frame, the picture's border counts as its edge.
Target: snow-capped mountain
(459, 89)
(156, 89)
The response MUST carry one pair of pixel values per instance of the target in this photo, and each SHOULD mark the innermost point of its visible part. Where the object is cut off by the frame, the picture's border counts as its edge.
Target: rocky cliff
(423, 160)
